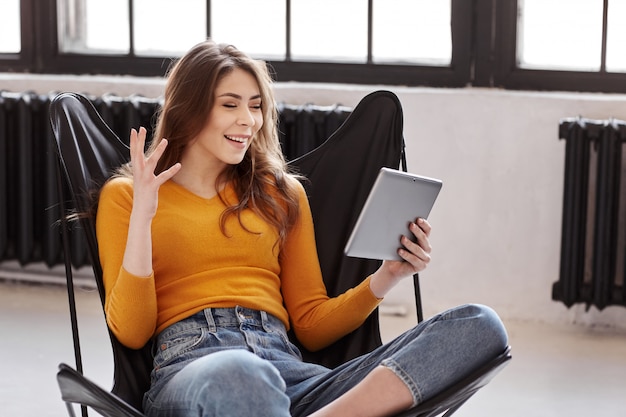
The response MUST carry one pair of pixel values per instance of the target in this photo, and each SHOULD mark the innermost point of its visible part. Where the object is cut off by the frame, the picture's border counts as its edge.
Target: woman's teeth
(240, 140)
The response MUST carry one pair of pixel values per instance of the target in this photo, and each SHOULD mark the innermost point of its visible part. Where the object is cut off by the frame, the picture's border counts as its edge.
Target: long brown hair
(262, 180)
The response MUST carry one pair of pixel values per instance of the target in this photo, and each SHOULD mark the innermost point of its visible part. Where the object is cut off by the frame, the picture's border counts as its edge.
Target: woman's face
(234, 119)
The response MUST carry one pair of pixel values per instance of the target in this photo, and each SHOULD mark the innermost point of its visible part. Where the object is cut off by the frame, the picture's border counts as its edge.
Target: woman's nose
(245, 117)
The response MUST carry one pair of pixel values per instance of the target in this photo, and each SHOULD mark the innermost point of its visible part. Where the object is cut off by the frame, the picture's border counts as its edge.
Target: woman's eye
(230, 105)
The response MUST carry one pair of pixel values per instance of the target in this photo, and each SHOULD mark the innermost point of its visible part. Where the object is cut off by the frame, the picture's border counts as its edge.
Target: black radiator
(29, 210)
(593, 241)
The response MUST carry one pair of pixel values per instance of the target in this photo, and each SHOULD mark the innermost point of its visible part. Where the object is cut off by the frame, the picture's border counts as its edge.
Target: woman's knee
(218, 382)
(236, 367)
(482, 323)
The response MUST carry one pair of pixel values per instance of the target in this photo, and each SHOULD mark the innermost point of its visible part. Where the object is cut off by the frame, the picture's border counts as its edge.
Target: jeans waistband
(212, 318)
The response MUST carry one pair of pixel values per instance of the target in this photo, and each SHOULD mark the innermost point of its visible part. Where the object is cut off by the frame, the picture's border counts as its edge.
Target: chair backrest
(89, 152)
(340, 174)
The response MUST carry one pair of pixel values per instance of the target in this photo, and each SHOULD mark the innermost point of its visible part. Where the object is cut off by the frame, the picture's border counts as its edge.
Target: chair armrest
(76, 388)
(453, 397)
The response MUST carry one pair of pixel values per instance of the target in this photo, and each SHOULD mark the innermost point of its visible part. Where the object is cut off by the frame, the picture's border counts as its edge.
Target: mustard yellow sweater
(196, 266)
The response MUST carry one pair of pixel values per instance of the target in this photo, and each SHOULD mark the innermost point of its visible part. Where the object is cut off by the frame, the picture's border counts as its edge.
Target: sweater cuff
(366, 294)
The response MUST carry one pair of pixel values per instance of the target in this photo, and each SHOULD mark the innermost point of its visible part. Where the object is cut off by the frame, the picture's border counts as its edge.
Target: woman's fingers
(417, 251)
(168, 173)
(137, 144)
(424, 225)
(142, 164)
(421, 230)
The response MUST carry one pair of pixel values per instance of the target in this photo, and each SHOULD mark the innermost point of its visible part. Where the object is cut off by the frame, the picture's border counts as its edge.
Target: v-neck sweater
(196, 266)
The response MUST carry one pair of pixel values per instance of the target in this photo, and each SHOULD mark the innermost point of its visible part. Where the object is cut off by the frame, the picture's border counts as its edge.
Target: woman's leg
(410, 369)
(227, 383)
(380, 393)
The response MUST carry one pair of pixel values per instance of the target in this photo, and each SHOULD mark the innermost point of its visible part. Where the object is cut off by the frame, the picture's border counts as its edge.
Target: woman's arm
(130, 300)
(319, 320)
(125, 212)
(138, 253)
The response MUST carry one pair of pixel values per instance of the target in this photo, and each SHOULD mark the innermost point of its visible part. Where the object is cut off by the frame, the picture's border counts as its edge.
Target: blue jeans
(239, 362)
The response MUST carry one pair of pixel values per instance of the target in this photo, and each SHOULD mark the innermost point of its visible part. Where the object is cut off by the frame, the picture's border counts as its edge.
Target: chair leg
(70, 409)
(418, 298)
(65, 238)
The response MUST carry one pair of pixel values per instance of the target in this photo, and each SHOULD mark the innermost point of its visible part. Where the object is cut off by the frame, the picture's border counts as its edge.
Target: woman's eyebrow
(238, 97)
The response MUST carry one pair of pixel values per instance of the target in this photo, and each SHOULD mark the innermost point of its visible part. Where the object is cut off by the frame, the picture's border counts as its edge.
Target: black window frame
(507, 74)
(483, 55)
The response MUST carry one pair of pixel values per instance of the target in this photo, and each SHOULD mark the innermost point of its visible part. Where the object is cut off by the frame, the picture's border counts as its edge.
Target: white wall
(496, 225)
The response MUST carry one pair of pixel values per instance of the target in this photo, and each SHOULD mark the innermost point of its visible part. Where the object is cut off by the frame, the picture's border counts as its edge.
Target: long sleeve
(317, 319)
(196, 266)
(130, 301)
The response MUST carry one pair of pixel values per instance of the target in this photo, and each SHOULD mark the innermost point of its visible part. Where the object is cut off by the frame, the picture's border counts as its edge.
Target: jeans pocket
(168, 350)
(287, 344)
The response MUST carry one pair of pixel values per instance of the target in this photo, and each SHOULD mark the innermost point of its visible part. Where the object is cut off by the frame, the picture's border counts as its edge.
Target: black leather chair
(340, 174)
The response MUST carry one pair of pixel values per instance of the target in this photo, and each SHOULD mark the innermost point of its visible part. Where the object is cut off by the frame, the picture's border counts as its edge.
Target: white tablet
(396, 199)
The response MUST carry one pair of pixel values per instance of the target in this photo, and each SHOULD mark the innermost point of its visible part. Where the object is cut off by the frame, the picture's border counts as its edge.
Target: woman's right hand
(138, 252)
(145, 183)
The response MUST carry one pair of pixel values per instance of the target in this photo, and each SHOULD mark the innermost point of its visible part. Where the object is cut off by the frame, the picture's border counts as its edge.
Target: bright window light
(168, 28)
(10, 39)
(329, 30)
(616, 36)
(238, 22)
(412, 31)
(553, 34)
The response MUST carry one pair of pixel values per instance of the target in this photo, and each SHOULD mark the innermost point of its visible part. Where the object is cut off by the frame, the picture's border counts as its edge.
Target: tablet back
(397, 198)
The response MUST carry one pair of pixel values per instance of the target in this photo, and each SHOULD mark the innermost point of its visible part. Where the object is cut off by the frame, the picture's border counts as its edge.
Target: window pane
(424, 23)
(10, 39)
(93, 26)
(553, 34)
(329, 30)
(616, 37)
(266, 40)
(167, 27)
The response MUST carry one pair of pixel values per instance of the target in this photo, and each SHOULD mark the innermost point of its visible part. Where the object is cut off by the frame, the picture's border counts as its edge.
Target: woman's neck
(202, 182)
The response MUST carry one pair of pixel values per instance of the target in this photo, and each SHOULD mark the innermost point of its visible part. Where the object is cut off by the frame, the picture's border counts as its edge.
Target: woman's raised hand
(138, 253)
(145, 183)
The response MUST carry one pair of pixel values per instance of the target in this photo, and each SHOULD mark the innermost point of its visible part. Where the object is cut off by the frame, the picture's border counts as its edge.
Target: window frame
(508, 75)
(483, 55)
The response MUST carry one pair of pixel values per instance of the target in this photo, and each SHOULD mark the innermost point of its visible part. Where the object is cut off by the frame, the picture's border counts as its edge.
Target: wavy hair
(262, 180)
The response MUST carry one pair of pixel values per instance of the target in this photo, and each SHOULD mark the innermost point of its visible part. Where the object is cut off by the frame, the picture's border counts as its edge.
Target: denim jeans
(239, 362)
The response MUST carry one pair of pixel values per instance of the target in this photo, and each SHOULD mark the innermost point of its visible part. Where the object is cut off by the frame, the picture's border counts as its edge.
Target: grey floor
(555, 371)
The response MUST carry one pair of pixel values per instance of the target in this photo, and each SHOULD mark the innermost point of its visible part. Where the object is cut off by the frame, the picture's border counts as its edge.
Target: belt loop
(239, 314)
(265, 321)
(210, 321)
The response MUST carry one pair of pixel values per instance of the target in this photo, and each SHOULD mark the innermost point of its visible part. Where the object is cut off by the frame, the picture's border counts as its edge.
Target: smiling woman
(233, 122)
(220, 262)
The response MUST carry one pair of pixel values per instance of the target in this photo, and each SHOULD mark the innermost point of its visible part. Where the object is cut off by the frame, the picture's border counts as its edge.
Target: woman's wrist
(381, 282)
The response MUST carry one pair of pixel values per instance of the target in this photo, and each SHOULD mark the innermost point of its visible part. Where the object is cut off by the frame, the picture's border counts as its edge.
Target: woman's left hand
(415, 255)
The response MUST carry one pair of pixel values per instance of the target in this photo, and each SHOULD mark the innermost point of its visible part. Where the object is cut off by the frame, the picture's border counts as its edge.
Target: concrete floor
(555, 371)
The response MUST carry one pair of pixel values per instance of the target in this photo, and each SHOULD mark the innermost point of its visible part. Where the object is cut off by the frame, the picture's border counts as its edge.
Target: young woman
(207, 248)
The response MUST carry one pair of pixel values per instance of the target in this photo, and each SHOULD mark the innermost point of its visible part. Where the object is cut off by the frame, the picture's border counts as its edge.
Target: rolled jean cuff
(405, 378)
